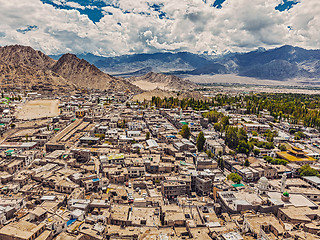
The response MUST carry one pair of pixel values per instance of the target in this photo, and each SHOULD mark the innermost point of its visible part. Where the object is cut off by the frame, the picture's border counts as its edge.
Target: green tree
(232, 153)
(256, 152)
(282, 147)
(244, 147)
(185, 132)
(270, 135)
(306, 170)
(209, 153)
(242, 134)
(246, 163)
(254, 133)
(292, 131)
(221, 163)
(234, 177)
(299, 135)
(217, 126)
(122, 124)
(231, 138)
(225, 121)
(213, 116)
(200, 141)
(268, 158)
(147, 135)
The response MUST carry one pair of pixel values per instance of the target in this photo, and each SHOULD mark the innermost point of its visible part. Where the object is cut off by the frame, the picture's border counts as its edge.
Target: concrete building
(172, 190)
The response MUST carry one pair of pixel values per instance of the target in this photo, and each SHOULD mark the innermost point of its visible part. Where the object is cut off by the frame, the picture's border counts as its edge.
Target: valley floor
(231, 78)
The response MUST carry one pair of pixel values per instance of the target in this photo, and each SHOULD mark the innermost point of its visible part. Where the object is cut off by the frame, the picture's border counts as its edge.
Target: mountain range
(24, 67)
(283, 63)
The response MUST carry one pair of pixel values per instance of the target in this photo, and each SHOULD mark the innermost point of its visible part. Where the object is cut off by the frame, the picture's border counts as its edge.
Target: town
(91, 165)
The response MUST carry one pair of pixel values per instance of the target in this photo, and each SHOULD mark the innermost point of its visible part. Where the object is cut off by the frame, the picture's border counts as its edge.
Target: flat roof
(18, 144)
(238, 185)
(296, 199)
(48, 198)
(313, 179)
(256, 221)
(21, 229)
(152, 143)
(299, 213)
(89, 139)
(116, 156)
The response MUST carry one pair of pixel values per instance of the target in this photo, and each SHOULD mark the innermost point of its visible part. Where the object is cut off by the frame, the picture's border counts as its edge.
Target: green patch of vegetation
(200, 141)
(282, 147)
(275, 161)
(185, 132)
(286, 194)
(234, 177)
(306, 170)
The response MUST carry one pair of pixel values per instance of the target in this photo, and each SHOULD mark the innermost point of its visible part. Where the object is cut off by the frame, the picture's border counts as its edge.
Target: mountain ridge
(18, 54)
(260, 64)
(24, 67)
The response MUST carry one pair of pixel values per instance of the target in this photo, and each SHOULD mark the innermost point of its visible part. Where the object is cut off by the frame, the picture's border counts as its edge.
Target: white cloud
(75, 5)
(188, 25)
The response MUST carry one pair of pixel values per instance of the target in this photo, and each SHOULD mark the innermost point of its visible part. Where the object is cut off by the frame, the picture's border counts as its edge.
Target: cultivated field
(36, 109)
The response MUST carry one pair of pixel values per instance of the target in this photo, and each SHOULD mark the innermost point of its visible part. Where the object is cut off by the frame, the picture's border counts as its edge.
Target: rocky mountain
(281, 63)
(153, 80)
(137, 64)
(85, 75)
(24, 67)
(26, 56)
(27, 77)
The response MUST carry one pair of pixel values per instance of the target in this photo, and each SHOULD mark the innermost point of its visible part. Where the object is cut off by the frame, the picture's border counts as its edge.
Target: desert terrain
(36, 109)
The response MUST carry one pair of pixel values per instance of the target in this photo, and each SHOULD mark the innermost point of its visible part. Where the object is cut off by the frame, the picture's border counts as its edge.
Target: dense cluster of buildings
(107, 169)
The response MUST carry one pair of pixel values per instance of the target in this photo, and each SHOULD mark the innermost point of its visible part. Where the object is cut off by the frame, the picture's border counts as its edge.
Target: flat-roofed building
(313, 180)
(172, 190)
(89, 140)
(18, 145)
(295, 199)
(203, 186)
(22, 230)
(263, 224)
(249, 127)
(14, 166)
(214, 146)
(295, 215)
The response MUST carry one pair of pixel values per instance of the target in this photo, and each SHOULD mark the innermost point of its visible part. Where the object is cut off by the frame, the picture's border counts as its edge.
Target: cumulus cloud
(140, 26)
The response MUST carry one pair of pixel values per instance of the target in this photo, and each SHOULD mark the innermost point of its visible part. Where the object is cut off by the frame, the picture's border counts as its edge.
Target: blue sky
(116, 27)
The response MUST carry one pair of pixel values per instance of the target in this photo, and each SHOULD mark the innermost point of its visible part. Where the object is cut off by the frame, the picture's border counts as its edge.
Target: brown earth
(25, 68)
